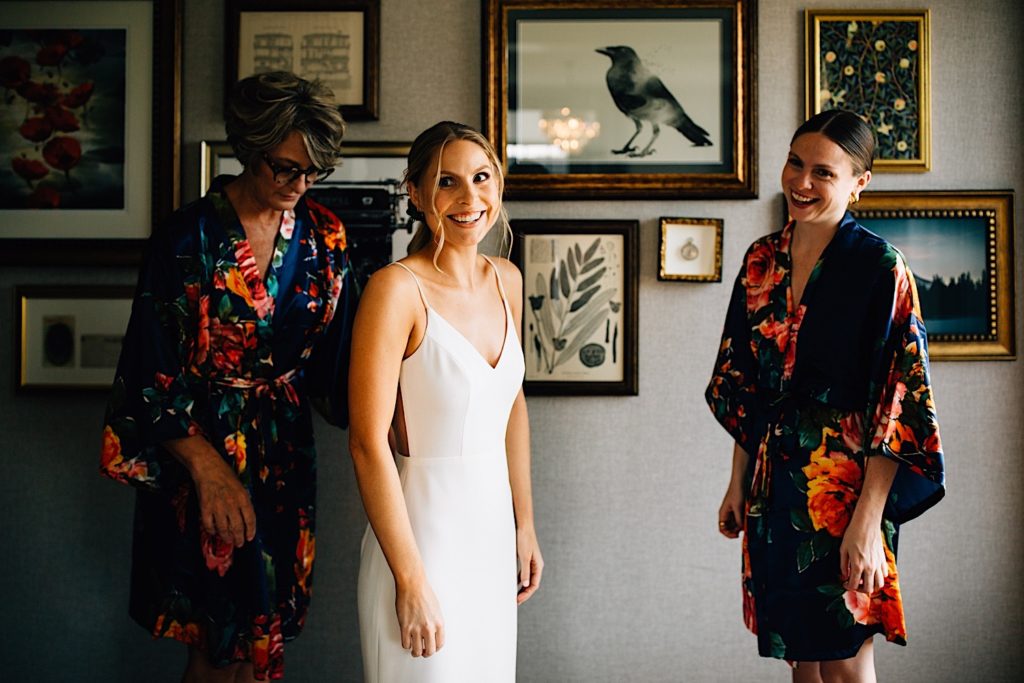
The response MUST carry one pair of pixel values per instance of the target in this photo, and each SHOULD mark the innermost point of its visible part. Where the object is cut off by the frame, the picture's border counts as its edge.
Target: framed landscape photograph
(875, 63)
(959, 245)
(690, 249)
(622, 99)
(580, 305)
(69, 337)
(89, 127)
(335, 41)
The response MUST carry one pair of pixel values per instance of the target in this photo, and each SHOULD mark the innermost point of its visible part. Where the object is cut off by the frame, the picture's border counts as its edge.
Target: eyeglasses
(286, 175)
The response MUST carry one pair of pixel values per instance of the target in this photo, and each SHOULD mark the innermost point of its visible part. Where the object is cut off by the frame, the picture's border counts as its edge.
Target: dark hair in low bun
(846, 129)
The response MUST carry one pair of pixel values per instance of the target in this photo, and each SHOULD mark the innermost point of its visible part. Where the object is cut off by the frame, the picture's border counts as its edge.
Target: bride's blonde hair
(429, 147)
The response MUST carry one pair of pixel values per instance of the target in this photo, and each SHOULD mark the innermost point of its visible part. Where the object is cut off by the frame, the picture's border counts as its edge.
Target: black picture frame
(23, 243)
(591, 325)
(288, 23)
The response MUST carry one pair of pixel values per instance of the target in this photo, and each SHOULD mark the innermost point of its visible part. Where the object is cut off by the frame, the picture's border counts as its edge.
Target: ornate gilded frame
(733, 95)
(876, 63)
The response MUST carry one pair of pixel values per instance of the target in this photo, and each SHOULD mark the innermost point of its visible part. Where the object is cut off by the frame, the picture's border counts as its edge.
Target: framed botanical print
(580, 305)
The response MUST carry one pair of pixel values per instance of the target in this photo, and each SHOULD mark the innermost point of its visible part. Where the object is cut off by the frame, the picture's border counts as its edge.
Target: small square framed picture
(691, 249)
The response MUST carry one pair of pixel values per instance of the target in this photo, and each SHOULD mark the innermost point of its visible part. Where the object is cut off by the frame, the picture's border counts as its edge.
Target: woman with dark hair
(210, 416)
(436, 381)
(837, 441)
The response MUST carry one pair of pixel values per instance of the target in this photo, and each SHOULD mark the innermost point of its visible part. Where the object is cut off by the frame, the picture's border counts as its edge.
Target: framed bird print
(875, 63)
(579, 305)
(622, 99)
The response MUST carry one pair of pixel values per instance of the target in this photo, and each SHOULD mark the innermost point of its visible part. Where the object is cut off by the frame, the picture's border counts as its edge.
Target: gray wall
(638, 586)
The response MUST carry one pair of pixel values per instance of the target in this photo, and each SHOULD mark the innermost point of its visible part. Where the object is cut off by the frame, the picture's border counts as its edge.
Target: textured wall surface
(639, 586)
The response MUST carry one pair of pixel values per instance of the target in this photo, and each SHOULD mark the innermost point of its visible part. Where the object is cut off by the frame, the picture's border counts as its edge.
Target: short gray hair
(263, 109)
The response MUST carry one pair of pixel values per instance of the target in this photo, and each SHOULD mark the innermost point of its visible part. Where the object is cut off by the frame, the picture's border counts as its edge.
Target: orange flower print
(776, 331)
(187, 633)
(111, 456)
(229, 343)
(234, 444)
(851, 427)
(203, 342)
(305, 552)
(761, 275)
(833, 486)
(884, 606)
(235, 282)
(217, 553)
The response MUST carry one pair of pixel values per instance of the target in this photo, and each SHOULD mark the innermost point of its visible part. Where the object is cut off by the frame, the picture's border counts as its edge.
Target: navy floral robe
(809, 413)
(214, 349)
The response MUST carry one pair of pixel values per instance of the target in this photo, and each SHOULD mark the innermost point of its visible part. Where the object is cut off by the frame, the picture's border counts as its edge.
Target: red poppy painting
(62, 118)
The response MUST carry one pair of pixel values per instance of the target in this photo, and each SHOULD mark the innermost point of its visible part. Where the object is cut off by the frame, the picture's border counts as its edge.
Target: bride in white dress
(436, 362)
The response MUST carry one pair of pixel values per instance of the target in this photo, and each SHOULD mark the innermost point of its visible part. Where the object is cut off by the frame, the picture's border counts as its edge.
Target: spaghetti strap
(501, 285)
(423, 296)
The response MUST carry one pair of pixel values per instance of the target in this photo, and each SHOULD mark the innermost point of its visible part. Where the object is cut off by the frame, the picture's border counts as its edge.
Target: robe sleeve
(732, 392)
(327, 368)
(151, 400)
(903, 425)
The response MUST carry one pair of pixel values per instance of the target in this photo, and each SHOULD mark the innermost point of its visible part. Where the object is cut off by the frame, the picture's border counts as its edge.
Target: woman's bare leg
(199, 670)
(857, 669)
(806, 672)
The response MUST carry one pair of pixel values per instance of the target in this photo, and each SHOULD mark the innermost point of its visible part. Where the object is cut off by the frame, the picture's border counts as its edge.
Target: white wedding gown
(456, 488)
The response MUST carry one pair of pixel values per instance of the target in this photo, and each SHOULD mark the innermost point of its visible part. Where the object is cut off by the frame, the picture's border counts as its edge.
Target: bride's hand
(419, 618)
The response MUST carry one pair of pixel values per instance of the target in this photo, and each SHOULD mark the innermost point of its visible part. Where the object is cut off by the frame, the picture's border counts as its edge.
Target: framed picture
(335, 41)
(613, 98)
(89, 129)
(960, 248)
(363, 163)
(360, 162)
(69, 337)
(875, 63)
(580, 305)
(690, 249)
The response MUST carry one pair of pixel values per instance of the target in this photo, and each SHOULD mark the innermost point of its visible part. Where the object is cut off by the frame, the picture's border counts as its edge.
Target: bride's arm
(384, 323)
(517, 446)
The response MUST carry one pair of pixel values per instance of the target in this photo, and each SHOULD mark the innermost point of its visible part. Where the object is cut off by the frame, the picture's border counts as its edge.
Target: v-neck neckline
(465, 339)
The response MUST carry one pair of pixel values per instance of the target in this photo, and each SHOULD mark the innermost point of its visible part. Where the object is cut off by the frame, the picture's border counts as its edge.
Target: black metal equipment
(370, 212)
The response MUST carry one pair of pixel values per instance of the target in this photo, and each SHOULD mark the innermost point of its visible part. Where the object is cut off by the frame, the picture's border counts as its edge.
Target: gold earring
(853, 199)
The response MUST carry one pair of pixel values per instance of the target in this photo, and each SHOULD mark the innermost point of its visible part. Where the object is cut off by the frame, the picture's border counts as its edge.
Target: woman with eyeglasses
(210, 415)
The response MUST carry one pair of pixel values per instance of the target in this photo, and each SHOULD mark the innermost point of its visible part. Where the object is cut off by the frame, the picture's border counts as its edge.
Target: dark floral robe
(214, 349)
(809, 414)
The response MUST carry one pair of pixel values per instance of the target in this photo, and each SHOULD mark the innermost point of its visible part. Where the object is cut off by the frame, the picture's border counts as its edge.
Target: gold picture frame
(875, 63)
(948, 237)
(68, 337)
(552, 66)
(690, 249)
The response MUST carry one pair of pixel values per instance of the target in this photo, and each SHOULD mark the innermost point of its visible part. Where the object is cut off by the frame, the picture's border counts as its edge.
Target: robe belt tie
(760, 484)
(264, 388)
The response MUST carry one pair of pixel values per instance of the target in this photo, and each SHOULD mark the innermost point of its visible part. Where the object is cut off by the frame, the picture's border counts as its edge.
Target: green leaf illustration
(563, 279)
(591, 249)
(590, 265)
(571, 260)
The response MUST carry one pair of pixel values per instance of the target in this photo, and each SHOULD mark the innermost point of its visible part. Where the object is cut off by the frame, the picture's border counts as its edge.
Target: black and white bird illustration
(641, 96)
